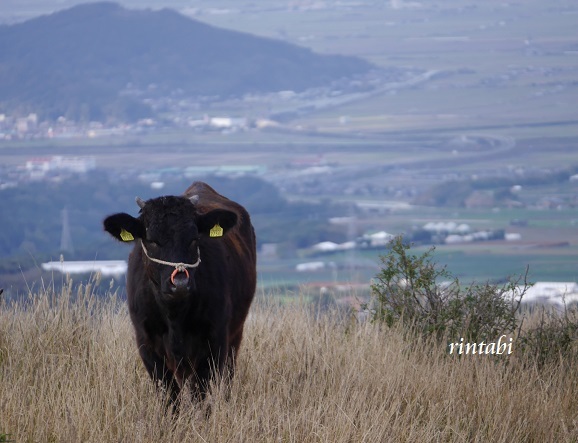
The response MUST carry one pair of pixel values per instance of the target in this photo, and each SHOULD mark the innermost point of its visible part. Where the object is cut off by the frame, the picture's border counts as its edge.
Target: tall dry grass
(70, 372)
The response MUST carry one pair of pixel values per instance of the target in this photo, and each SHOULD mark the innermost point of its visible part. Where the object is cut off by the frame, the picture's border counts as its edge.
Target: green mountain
(81, 62)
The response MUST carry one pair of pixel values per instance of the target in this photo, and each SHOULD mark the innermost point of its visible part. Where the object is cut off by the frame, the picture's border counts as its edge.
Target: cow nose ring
(176, 271)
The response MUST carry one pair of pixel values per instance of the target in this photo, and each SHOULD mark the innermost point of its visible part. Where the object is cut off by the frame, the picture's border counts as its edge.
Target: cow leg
(203, 375)
(160, 374)
(210, 366)
(234, 345)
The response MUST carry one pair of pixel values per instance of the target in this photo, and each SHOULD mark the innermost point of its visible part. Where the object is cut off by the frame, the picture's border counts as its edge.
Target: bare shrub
(552, 337)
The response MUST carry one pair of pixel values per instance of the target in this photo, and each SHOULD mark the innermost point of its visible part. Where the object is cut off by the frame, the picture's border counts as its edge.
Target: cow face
(171, 231)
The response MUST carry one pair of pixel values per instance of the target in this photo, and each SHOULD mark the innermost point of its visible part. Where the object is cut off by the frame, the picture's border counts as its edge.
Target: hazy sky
(18, 10)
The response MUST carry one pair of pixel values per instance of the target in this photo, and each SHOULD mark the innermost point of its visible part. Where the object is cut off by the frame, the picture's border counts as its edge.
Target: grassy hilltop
(69, 372)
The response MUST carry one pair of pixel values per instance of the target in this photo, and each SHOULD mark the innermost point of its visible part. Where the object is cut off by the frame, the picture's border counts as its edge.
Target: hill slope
(78, 62)
(70, 372)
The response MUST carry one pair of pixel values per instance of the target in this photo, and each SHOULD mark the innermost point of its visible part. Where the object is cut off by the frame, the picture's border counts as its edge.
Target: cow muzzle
(180, 280)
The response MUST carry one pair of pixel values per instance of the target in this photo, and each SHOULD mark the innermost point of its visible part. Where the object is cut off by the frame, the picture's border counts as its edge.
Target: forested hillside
(100, 61)
(32, 217)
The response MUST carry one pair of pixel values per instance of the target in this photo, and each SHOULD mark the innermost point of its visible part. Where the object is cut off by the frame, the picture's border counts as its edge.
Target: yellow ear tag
(216, 231)
(125, 235)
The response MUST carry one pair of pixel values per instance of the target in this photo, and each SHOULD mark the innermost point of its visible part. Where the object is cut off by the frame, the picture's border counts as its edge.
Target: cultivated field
(69, 372)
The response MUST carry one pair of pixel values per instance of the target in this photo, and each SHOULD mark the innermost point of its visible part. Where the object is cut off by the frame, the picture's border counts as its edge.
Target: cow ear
(124, 227)
(216, 223)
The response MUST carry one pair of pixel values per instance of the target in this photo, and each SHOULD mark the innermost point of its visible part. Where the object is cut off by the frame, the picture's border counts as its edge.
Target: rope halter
(179, 267)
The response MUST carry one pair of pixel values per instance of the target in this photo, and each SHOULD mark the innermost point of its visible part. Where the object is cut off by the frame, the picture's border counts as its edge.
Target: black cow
(190, 282)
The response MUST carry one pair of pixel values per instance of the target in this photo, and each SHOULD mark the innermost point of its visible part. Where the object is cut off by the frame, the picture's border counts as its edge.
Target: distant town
(254, 111)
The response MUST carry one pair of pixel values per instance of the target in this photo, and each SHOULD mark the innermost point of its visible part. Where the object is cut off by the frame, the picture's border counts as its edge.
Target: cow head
(171, 231)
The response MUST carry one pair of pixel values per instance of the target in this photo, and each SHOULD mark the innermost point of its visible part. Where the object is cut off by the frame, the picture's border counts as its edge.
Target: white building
(310, 266)
(106, 268)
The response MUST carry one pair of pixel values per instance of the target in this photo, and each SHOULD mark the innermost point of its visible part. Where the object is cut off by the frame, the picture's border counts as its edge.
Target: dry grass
(69, 372)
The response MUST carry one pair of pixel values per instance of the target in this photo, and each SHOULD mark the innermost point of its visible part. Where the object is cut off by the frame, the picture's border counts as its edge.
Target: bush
(415, 291)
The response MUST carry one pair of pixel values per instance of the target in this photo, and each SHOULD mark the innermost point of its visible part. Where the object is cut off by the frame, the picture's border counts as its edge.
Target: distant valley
(466, 116)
